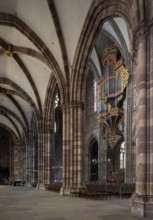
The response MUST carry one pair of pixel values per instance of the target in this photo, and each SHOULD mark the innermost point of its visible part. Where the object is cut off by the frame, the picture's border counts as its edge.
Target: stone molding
(79, 104)
(142, 205)
(140, 32)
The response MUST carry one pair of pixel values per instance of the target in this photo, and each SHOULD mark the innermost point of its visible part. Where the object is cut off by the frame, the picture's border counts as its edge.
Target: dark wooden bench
(18, 183)
(54, 187)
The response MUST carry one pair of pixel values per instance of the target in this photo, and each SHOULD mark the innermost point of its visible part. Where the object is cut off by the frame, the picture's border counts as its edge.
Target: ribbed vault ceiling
(36, 35)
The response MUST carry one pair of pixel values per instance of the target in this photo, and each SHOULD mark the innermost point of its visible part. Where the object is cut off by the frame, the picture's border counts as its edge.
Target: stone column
(102, 155)
(47, 156)
(35, 155)
(11, 160)
(16, 162)
(150, 190)
(72, 147)
(78, 145)
(66, 149)
(22, 161)
(67, 178)
(44, 155)
(19, 162)
(30, 159)
(129, 130)
(41, 148)
(142, 199)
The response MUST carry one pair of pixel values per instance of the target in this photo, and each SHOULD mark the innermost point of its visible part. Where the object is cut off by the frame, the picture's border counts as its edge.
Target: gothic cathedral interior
(76, 96)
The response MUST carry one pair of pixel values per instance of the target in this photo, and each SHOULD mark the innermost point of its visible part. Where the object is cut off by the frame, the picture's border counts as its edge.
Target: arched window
(58, 139)
(122, 156)
(95, 85)
(91, 93)
(94, 161)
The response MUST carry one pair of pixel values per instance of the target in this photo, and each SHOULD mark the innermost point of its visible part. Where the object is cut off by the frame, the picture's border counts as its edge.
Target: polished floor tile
(22, 203)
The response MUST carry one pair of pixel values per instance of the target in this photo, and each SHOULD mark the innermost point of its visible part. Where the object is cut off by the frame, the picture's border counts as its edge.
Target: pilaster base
(40, 186)
(70, 191)
(141, 205)
(65, 191)
(28, 184)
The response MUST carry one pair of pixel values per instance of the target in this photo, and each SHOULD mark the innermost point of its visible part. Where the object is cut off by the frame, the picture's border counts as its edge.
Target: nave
(31, 204)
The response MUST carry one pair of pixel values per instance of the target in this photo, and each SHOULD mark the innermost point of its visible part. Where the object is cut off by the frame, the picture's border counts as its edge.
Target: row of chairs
(105, 191)
(94, 194)
(121, 190)
(54, 187)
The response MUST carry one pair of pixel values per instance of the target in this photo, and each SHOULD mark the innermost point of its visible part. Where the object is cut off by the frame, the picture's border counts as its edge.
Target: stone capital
(140, 32)
(75, 104)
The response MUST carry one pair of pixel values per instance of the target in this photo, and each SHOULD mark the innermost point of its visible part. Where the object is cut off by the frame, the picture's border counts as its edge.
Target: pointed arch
(7, 113)
(92, 163)
(98, 13)
(17, 90)
(14, 136)
(13, 21)
(50, 94)
(60, 36)
(90, 140)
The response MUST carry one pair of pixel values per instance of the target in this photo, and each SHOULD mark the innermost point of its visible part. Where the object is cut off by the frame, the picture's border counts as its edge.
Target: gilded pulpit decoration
(112, 93)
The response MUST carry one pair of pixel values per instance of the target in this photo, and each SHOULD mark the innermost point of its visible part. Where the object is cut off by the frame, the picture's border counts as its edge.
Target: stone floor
(21, 203)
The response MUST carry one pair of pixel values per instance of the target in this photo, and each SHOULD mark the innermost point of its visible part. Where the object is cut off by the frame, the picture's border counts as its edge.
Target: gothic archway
(93, 160)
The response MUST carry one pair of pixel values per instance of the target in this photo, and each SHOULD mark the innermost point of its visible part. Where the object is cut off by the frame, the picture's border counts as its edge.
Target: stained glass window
(57, 99)
(122, 156)
(95, 94)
